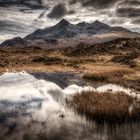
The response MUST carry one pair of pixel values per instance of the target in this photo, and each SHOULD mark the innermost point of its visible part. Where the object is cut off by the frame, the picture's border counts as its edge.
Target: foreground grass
(106, 107)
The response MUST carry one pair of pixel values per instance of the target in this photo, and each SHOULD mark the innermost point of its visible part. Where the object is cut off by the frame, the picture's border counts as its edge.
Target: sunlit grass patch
(109, 75)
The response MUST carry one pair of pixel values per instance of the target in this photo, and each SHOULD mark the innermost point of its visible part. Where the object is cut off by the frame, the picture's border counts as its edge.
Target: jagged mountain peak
(99, 23)
(63, 23)
(82, 23)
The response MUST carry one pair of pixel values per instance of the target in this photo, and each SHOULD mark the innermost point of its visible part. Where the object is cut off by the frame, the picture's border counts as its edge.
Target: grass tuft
(106, 107)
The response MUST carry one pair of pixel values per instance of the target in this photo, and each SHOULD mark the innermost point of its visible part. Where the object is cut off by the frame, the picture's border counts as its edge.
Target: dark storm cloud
(129, 9)
(60, 10)
(30, 3)
(70, 12)
(128, 12)
(97, 4)
(130, 3)
(20, 1)
(136, 21)
(10, 26)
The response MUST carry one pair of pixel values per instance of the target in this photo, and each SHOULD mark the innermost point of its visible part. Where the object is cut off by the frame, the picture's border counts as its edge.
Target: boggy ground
(106, 107)
(117, 61)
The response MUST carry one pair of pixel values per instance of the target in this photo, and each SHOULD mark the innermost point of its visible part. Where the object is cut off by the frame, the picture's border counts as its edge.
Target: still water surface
(34, 109)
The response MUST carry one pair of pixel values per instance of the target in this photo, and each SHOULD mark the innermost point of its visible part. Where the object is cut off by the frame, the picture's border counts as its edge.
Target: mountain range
(67, 34)
(65, 29)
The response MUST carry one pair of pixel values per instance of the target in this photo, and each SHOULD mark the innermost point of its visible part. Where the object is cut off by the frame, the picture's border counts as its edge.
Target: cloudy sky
(21, 17)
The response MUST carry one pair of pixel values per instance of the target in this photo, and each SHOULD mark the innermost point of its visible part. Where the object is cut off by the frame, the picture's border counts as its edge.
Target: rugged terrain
(116, 61)
(95, 51)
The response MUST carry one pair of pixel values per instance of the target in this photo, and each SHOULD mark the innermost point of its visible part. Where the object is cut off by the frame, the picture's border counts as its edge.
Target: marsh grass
(113, 76)
(125, 77)
(106, 107)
